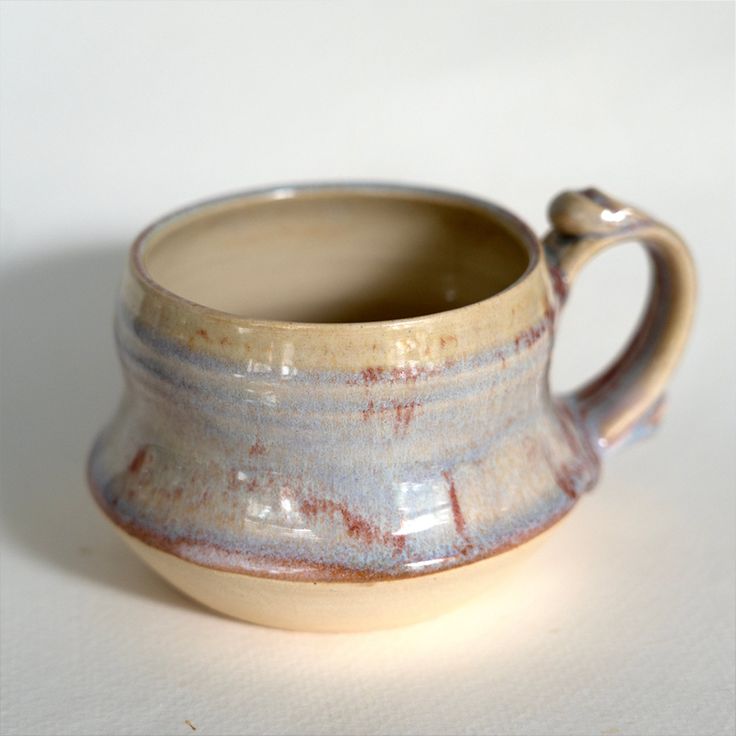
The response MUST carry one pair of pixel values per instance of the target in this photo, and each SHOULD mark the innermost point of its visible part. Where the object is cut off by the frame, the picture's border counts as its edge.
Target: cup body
(359, 451)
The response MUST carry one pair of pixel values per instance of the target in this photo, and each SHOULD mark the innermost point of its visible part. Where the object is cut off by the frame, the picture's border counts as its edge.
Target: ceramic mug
(337, 412)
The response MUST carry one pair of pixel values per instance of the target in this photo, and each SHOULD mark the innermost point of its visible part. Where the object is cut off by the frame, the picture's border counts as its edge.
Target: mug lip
(523, 233)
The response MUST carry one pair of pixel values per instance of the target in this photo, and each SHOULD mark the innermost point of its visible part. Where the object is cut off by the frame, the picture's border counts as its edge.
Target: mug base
(332, 606)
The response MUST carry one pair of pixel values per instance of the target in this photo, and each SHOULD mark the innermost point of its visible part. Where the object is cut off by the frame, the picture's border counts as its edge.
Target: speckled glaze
(374, 452)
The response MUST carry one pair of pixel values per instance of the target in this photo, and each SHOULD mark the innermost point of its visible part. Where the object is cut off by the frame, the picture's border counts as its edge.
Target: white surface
(114, 113)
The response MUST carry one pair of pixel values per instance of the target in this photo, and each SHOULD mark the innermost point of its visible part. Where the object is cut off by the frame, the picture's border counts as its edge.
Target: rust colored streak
(446, 339)
(411, 374)
(371, 375)
(225, 341)
(257, 449)
(397, 542)
(406, 375)
(369, 411)
(465, 550)
(531, 336)
(404, 414)
(138, 461)
(203, 334)
(457, 513)
(569, 476)
(559, 285)
(401, 412)
(356, 526)
(565, 479)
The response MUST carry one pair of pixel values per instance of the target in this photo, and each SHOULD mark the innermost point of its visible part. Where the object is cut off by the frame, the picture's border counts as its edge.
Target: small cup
(337, 413)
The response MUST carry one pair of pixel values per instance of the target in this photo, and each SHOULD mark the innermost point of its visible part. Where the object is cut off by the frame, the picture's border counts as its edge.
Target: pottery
(337, 413)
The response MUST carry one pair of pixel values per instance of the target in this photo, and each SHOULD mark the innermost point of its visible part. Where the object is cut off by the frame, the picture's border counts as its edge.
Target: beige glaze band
(436, 339)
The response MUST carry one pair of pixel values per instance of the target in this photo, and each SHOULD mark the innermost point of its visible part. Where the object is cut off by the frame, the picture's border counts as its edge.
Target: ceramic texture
(353, 453)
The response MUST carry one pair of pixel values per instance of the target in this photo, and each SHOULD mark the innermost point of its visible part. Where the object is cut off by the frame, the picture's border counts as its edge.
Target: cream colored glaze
(481, 241)
(327, 257)
(334, 606)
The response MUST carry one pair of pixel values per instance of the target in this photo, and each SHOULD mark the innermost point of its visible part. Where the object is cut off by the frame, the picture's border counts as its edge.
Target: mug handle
(625, 401)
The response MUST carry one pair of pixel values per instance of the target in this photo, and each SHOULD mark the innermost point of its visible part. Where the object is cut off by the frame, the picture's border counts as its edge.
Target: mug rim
(523, 234)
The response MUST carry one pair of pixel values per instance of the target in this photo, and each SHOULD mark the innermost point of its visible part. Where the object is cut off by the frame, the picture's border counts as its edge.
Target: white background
(114, 113)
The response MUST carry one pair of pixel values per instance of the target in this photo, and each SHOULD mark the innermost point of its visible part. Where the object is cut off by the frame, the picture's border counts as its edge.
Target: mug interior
(336, 255)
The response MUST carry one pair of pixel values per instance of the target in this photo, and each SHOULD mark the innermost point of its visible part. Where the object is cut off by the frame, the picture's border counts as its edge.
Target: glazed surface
(340, 452)
(384, 471)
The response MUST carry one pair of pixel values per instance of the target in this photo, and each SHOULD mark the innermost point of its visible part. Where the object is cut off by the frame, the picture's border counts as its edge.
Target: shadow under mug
(337, 413)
